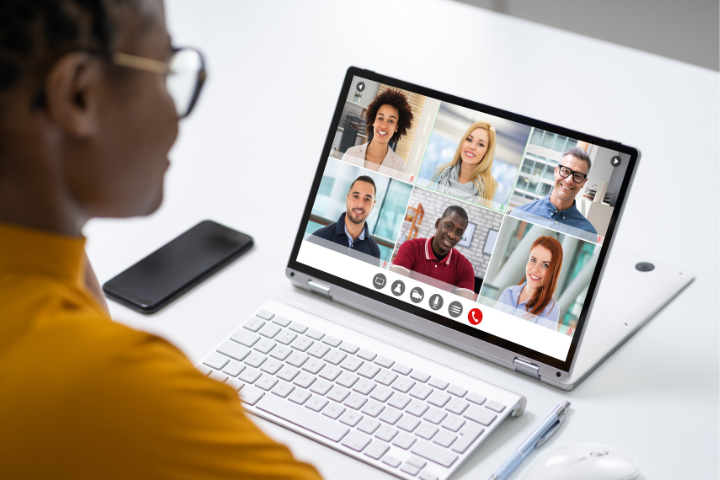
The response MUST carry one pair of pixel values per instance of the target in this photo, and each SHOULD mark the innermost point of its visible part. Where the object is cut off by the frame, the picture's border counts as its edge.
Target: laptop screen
(487, 222)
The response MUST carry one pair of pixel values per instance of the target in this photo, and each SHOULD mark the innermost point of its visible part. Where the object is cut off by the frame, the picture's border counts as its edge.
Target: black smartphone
(176, 267)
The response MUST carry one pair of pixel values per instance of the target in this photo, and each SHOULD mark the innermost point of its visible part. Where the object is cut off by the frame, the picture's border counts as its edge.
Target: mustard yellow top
(83, 397)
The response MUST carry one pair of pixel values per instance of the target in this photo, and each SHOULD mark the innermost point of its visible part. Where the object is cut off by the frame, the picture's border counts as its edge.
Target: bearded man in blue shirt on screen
(557, 210)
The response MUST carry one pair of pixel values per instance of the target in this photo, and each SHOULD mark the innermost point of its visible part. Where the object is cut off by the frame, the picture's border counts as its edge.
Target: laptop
(480, 228)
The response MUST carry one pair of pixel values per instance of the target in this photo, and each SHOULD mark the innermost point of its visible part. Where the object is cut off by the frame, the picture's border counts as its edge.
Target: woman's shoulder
(394, 160)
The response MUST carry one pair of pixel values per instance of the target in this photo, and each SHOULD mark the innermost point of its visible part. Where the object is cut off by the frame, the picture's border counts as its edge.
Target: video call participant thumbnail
(388, 118)
(351, 229)
(532, 300)
(436, 258)
(558, 207)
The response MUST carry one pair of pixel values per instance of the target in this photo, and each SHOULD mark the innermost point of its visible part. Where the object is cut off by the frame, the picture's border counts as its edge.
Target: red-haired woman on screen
(532, 299)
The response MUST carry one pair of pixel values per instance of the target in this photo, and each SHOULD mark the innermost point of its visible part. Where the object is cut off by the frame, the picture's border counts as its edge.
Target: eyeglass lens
(182, 82)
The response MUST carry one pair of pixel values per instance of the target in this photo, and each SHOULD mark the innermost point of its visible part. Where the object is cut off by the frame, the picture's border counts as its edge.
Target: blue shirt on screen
(337, 233)
(543, 213)
(508, 303)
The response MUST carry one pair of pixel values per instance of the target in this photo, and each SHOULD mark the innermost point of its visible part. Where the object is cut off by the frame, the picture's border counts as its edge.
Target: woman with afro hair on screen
(532, 299)
(388, 118)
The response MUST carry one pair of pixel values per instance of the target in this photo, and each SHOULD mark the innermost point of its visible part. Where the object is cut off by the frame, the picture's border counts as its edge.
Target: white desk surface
(247, 156)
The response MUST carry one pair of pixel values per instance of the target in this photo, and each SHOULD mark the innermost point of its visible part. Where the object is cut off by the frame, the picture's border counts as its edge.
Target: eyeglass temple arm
(140, 63)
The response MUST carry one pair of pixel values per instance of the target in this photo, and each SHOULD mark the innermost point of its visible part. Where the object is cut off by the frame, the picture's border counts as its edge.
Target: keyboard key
(439, 399)
(255, 359)
(373, 408)
(366, 355)
(244, 337)
(376, 450)
(265, 345)
(304, 380)
(332, 341)
(496, 406)
(404, 440)
(384, 362)
(356, 441)
(234, 350)
(335, 357)
(386, 377)
(381, 394)
(401, 369)
(283, 389)
(216, 361)
(408, 423)
(264, 314)
(269, 330)
(433, 453)
(297, 359)
(313, 366)
(368, 425)
(468, 434)
(330, 372)
(316, 403)
(399, 401)
(426, 431)
(299, 396)
(338, 394)
(444, 438)
(318, 350)
(390, 415)
(251, 395)
(457, 391)
(204, 369)
(438, 383)
(347, 379)
(266, 382)
(364, 387)
(286, 337)
(315, 335)
(386, 433)
(475, 398)
(271, 366)
(321, 387)
(288, 373)
(457, 406)
(282, 321)
(409, 469)
(233, 368)
(453, 423)
(403, 384)
(298, 327)
(392, 461)
(303, 418)
(421, 391)
(249, 375)
(428, 476)
(356, 401)
(333, 410)
(368, 370)
(349, 347)
(351, 364)
(419, 376)
(220, 377)
(417, 408)
(351, 418)
(416, 462)
(281, 352)
(480, 415)
(254, 324)
(435, 415)
(236, 384)
(302, 344)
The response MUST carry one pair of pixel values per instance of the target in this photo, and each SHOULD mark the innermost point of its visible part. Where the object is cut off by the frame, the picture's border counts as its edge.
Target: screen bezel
(433, 317)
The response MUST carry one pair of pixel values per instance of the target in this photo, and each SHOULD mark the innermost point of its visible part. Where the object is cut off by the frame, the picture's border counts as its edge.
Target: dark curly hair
(35, 33)
(395, 99)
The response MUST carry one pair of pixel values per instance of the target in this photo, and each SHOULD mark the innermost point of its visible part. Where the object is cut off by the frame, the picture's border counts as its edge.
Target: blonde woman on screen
(469, 175)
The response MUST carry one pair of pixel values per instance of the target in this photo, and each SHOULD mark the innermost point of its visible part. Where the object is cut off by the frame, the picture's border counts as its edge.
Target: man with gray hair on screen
(557, 210)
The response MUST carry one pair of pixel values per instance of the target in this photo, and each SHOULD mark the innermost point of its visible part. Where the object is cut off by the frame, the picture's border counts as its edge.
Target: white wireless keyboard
(395, 410)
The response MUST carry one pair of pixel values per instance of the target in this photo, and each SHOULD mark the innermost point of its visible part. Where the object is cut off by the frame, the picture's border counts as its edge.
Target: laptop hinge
(319, 288)
(527, 368)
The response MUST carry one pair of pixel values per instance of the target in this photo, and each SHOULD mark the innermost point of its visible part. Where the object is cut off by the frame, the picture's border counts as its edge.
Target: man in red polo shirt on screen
(436, 258)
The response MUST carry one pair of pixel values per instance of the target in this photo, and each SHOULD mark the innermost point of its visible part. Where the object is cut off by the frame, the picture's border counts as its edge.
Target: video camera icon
(416, 295)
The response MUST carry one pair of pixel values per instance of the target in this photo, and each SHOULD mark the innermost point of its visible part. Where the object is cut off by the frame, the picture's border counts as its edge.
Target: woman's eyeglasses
(578, 177)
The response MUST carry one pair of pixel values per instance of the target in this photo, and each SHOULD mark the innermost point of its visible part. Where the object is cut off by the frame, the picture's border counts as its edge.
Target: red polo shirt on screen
(417, 255)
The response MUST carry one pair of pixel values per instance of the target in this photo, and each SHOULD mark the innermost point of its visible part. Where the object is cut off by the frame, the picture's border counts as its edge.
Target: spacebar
(302, 417)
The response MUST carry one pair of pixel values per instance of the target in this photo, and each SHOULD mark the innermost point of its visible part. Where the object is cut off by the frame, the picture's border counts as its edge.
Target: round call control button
(475, 316)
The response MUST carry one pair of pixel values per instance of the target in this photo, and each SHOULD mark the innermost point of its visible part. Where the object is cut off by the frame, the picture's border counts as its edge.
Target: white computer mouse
(592, 461)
